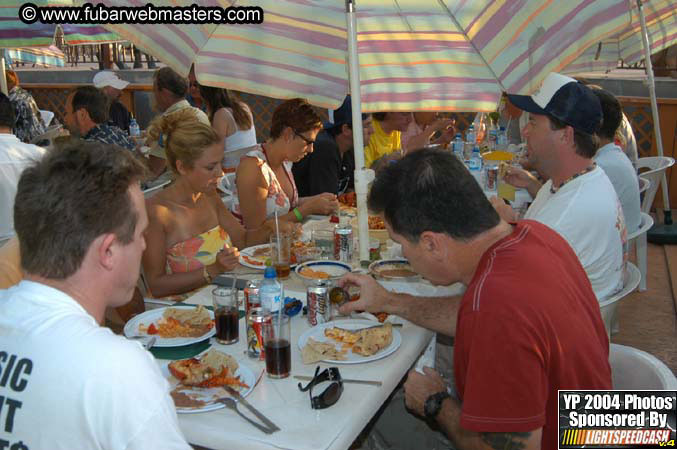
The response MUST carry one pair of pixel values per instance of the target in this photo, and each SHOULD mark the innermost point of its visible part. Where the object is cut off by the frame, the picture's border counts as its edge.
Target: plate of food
(377, 228)
(322, 269)
(349, 341)
(197, 383)
(173, 326)
(255, 257)
(393, 269)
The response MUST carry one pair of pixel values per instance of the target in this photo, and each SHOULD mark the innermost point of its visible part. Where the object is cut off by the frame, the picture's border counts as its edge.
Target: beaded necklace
(590, 168)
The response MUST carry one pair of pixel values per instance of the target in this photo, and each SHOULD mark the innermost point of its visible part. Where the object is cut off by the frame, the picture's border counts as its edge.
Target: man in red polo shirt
(528, 324)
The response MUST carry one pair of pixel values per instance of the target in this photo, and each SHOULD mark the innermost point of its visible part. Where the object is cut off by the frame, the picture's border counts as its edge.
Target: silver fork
(232, 404)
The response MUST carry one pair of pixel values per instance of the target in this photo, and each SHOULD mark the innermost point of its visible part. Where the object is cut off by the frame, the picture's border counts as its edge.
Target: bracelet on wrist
(298, 214)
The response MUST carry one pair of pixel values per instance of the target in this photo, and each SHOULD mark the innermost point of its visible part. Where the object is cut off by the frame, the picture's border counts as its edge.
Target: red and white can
(251, 295)
(256, 317)
(343, 243)
(317, 301)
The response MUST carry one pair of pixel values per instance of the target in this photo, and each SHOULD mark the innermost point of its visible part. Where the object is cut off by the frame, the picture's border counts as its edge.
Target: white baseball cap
(108, 78)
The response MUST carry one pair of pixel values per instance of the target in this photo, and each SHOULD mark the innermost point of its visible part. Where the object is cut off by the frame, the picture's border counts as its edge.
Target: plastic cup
(280, 252)
(324, 240)
(226, 315)
(277, 345)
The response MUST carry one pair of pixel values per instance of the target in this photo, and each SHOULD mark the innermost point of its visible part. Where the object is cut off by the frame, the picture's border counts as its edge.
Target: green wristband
(298, 214)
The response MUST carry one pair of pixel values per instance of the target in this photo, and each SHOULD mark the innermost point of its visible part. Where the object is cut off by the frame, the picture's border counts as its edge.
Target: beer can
(256, 317)
(343, 243)
(317, 301)
(491, 178)
(251, 295)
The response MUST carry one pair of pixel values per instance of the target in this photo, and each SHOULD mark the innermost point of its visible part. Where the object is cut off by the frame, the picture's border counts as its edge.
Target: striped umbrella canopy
(413, 54)
(661, 22)
(45, 56)
(14, 33)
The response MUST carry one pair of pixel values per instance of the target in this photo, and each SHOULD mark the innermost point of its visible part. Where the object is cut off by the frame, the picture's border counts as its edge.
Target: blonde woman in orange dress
(191, 236)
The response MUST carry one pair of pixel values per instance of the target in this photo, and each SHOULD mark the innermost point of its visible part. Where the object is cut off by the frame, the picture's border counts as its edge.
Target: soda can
(343, 243)
(251, 295)
(491, 178)
(256, 317)
(317, 300)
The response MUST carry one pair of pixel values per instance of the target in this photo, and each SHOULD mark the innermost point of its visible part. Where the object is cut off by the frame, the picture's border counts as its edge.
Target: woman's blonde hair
(184, 137)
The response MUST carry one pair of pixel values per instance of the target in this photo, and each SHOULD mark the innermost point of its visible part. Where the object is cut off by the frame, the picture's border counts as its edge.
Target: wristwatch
(433, 404)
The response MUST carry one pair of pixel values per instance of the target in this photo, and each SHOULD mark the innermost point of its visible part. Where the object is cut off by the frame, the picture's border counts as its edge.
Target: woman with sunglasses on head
(233, 121)
(264, 181)
(191, 236)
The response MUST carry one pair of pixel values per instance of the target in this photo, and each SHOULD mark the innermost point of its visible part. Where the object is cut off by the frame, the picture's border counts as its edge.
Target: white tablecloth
(289, 408)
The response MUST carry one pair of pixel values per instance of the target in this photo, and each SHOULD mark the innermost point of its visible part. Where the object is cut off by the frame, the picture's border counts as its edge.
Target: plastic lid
(502, 128)
(458, 135)
(471, 126)
(269, 272)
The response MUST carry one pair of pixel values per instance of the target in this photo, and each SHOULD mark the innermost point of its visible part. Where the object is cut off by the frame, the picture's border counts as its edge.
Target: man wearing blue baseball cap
(330, 167)
(578, 200)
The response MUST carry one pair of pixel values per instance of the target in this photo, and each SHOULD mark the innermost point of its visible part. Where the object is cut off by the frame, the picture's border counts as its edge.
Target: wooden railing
(638, 110)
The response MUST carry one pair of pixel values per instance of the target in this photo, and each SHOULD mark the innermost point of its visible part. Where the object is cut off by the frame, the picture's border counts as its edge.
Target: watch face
(432, 405)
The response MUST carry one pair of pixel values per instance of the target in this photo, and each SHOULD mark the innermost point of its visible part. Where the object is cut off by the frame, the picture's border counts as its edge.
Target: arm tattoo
(505, 441)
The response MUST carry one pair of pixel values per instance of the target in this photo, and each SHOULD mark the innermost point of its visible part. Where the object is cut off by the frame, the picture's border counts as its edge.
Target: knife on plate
(236, 395)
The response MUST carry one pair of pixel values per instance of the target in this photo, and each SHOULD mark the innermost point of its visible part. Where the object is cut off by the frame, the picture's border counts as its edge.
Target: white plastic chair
(634, 369)
(657, 166)
(638, 238)
(644, 184)
(631, 279)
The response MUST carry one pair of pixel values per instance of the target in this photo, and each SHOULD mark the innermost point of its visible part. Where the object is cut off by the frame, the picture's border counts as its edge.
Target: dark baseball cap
(565, 99)
(343, 115)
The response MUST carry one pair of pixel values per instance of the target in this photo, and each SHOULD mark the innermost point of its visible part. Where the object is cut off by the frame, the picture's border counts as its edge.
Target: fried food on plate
(213, 369)
(180, 322)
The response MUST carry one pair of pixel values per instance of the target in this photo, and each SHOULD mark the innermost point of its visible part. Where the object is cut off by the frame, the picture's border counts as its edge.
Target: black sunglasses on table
(331, 394)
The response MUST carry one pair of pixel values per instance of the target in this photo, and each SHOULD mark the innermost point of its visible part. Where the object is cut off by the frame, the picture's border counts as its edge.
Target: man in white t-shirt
(66, 381)
(15, 156)
(578, 200)
(614, 162)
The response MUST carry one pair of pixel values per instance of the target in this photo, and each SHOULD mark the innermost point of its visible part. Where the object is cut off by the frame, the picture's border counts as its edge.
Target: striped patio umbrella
(661, 22)
(413, 54)
(391, 55)
(45, 56)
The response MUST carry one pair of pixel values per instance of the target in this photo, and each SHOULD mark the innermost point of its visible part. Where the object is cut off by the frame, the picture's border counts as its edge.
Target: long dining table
(302, 427)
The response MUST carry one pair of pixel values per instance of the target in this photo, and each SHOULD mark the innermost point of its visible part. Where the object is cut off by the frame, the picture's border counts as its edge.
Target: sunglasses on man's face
(331, 394)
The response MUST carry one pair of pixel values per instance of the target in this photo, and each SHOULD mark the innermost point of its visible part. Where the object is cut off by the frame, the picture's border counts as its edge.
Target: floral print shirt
(28, 123)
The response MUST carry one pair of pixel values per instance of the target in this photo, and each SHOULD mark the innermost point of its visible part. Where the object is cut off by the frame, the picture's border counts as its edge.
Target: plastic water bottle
(492, 137)
(270, 292)
(134, 130)
(457, 146)
(475, 162)
(502, 139)
(470, 135)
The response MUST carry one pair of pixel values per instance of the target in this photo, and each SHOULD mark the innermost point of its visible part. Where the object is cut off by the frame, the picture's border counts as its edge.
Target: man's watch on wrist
(433, 404)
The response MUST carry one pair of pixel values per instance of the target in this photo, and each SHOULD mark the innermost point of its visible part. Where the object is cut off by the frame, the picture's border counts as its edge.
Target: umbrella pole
(3, 79)
(363, 176)
(660, 233)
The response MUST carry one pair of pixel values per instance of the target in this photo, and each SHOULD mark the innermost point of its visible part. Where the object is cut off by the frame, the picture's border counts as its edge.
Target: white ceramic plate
(335, 269)
(209, 395)
(377, 267)
(317, 333)
(249, 252)
(132, 328)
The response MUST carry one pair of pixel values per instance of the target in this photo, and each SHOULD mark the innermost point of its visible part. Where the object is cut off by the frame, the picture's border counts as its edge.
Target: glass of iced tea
(280, 253)
(226, 315)
(277, 345)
